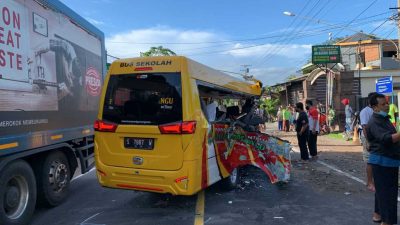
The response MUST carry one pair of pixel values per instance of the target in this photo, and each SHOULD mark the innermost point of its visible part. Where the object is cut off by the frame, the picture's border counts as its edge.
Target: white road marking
(84, 222)
(341, 172)
(79, 176)
(336, 169)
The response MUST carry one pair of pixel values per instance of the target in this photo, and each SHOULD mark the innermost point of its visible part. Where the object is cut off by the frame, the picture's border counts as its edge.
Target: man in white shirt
(212, 111)
(365, 116)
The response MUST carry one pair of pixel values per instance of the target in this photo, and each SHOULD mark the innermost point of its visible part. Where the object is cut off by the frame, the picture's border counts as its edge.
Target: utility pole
(398, 27)
(359, 66)
(246, 70)
(359, 76)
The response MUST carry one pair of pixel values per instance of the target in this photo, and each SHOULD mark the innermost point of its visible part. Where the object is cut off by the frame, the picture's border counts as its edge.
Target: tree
(271, 105)
(291, 77)
(158, 51)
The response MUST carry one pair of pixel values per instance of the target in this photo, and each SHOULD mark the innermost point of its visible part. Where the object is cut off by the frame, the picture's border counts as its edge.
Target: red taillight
(104, 126)
(187, 127)
(172, 128)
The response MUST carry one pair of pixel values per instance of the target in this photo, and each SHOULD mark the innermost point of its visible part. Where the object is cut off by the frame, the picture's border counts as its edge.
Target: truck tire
(17, 193)
(232, 181)
(53, 179)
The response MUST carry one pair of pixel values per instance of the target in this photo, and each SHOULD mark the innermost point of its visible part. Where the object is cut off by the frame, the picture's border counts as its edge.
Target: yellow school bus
(152, 127)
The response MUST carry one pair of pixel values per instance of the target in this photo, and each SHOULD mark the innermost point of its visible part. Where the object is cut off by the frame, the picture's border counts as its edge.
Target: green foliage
(158, 51)
(228, 102)
(291, 77)
(270, 90)
(309, 69)
(271, 105)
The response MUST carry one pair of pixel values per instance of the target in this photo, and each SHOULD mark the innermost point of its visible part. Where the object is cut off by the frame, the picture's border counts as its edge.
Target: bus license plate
(139, 143)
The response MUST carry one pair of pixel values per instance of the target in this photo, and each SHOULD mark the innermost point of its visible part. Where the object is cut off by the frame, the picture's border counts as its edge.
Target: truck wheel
(17, 193)
(54, 179)
(232, 181)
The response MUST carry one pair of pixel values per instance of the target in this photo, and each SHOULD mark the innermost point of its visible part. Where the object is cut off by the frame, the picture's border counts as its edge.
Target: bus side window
(204, 108)
(212, 111)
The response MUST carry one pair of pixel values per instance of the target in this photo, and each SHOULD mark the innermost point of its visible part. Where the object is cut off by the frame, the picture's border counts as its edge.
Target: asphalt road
(315, 195)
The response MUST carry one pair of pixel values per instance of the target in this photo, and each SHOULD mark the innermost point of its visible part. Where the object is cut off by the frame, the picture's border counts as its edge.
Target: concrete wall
(389, 63)
(368, 79)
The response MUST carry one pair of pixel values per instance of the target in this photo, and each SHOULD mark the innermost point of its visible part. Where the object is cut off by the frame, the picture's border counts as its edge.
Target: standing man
(393, 112)
(302, 131)
(365, 116)
(279, 117)
(283, 118)
(313, 120)
(384, 157)
(286, 119)
(349, 114)
(260, 113)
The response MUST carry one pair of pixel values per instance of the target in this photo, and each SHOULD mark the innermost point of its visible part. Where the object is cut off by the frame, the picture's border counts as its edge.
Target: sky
(227, 34)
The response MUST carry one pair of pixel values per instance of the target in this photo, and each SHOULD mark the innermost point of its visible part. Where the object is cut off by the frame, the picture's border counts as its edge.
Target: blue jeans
(280, 125)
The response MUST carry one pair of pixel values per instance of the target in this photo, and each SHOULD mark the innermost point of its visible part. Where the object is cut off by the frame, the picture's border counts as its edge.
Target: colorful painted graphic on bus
(235, 147)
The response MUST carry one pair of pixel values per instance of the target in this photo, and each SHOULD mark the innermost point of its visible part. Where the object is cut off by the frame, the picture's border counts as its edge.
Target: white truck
(52, 64)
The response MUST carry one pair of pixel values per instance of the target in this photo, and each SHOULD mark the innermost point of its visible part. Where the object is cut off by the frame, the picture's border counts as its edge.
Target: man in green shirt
(286, 118)
(393, 112)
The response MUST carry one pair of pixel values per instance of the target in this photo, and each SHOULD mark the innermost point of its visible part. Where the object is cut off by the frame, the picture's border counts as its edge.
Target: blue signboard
(384, 85)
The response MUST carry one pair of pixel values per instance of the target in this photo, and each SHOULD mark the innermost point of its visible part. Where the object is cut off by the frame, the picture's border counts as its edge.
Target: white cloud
(94, 22)
(131, 43)
(289, 51)
(217, 55)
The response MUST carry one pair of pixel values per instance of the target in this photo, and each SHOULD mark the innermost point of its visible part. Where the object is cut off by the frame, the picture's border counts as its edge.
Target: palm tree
(158, 51)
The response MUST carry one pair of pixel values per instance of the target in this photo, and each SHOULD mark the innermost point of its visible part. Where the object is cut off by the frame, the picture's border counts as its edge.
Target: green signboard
(323, 54)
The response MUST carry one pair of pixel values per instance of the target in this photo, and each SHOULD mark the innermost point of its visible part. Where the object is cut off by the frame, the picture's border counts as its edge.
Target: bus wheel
(232, 181)
(54, 179)
(17, 193)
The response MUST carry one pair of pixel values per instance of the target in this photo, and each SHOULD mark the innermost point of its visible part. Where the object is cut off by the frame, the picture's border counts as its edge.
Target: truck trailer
(52, 64)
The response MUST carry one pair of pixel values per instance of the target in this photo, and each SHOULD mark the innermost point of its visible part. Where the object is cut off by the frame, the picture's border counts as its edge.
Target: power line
(373, 2)
(298, 35)
(285, 38)
(380, 25)
(308, 31)
(289, 39)
(350, 48)
(112, 56)
(362, 12)
(302, 35)
(229, 41)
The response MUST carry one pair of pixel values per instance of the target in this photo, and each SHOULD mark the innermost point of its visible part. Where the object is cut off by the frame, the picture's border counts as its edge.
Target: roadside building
(365, 58)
